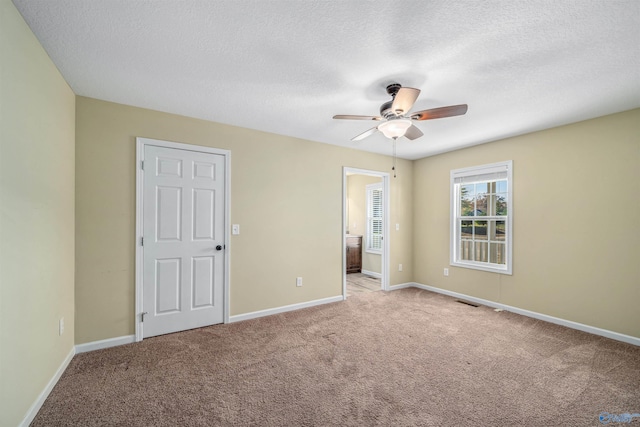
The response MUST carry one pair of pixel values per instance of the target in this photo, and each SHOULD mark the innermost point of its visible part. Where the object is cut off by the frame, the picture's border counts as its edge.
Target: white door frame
(387, 220)
(140, 144)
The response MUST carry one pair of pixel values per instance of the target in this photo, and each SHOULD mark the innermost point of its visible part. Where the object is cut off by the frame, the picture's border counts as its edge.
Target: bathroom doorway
(365, 231)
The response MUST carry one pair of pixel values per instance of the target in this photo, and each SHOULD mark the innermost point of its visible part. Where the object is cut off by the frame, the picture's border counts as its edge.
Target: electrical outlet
(298, 281)
(235, 229)
(61, 326)
(446, 271)
(399, 267)
(397, 227)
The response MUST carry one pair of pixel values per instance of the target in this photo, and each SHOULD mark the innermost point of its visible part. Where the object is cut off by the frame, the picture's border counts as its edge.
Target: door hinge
(142, 316)
(142, 241)
(142, 164)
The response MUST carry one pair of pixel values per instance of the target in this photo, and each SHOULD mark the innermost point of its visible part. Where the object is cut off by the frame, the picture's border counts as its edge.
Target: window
(481, 217)
(374, 218)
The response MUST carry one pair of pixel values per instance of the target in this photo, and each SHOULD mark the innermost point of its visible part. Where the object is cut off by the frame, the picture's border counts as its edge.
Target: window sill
(483, 267)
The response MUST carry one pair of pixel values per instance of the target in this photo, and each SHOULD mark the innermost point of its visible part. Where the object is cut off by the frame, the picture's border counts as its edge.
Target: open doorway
(365, 231)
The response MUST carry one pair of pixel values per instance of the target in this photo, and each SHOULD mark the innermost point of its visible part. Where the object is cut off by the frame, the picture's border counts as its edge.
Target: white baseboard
(99, 345)
(35, 407)
(372, 274)
(284, 309)
(402, 286)
(556, 320)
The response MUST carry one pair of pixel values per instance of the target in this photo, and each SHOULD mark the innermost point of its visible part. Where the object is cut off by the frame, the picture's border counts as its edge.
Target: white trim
(556, 320)
(346, 170)
(403, 286)
(372, 274)
(140, 143)
(227, 236)
(139, 307)
(110, 342)
(35, 407)
(284, 309)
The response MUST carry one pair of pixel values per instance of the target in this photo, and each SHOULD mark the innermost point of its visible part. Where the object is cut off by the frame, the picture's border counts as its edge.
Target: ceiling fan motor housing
(385, 109)
(393, 89)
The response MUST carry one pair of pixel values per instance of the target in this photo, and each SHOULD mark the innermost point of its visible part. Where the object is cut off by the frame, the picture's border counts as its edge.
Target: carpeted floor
(401, 358)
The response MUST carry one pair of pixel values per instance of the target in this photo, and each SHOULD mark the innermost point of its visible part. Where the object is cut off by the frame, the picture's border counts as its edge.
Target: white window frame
(482, 173)
(370, 188)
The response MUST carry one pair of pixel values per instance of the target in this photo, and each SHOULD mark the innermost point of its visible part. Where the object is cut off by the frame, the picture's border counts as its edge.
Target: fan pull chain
(394, 157)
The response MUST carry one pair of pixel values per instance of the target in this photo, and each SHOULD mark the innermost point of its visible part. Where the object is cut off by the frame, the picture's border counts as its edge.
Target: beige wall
(285, 183)
(575, 253)
(575, 235)
(36, 217)
(357, 209)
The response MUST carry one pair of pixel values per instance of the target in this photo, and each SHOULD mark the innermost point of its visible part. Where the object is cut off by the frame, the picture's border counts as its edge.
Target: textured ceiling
(287, 66)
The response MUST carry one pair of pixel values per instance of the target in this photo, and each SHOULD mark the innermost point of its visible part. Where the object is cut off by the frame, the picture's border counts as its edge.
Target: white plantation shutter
(374, 217)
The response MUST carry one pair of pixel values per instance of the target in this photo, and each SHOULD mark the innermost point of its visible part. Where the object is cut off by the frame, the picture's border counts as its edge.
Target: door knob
(219, 248)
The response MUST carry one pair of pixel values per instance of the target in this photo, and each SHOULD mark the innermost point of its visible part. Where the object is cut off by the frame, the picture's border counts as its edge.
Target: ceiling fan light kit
(395, 127)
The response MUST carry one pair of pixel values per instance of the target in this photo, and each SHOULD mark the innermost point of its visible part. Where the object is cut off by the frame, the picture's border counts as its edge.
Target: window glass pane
(491, 187)
(491, 204)
(498, 253)
(466, 250)
(480, 230)
(481, 205)
(501, 204)
(467, 193)
(501, 186)
(481, 187)
(481, 252)
(467, 190)
(498, 231)
(466, 229)
(466, 205)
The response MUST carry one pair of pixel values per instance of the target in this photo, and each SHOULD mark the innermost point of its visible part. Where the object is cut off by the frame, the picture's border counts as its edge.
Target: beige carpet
(402, 358)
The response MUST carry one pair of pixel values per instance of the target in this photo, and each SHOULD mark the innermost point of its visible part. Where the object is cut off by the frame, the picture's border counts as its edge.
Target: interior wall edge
(37, 404)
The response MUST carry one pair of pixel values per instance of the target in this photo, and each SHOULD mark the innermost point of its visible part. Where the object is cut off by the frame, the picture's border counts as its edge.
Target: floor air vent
(467, 303)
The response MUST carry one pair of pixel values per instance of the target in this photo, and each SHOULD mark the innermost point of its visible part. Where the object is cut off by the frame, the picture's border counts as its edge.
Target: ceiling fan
(395, 117)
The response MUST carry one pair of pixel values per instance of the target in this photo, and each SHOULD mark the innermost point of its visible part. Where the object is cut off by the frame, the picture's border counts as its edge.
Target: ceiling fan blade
(404, 100)
(363, 135)
(348, 117)
(439, 113)
(413, 133)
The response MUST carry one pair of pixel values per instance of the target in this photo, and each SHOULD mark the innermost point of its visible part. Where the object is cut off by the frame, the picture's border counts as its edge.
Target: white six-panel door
(183, 232)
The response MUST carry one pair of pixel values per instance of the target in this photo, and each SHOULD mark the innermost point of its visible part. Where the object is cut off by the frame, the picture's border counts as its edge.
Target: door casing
(140, 144)
(385, 224)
